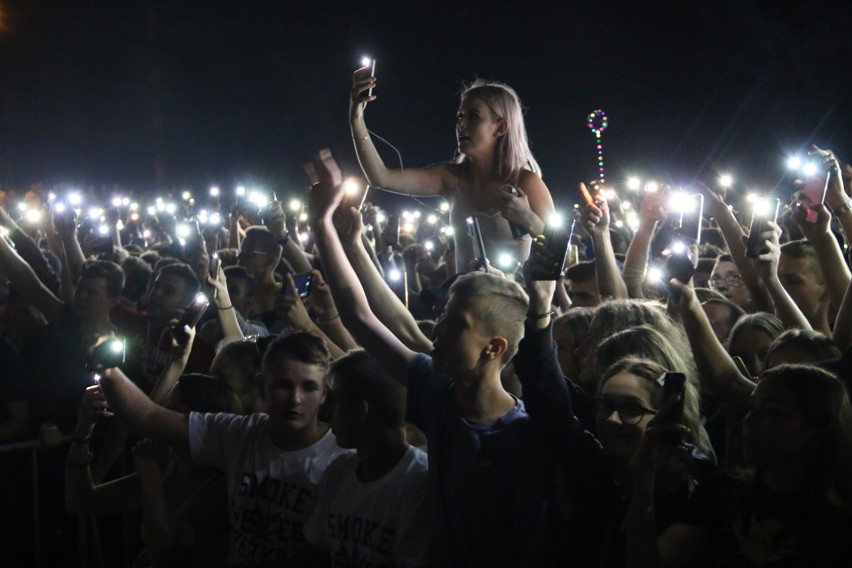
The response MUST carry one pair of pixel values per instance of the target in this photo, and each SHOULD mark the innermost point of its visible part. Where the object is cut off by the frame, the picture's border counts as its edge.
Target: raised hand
(362, 82)
(290, 307)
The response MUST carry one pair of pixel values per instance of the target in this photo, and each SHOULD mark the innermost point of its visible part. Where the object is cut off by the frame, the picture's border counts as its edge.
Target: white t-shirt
(381, 523)
(271, 492)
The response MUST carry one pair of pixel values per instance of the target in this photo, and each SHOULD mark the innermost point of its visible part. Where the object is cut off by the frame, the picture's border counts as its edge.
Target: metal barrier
(33, 447)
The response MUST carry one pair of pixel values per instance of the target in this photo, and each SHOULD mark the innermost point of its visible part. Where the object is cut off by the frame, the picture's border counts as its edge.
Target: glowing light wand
(597, 123)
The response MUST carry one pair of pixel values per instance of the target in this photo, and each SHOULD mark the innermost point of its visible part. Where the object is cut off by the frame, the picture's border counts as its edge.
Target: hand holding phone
(478, 243)
(674, 388)
(765, 210)
(303, 283)
(191, 316)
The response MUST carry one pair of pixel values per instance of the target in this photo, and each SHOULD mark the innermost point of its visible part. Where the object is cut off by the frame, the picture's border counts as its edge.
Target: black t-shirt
(750, 525)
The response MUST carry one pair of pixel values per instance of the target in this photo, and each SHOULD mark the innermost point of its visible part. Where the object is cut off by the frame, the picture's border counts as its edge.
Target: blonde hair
(513, 148)
(503, 310)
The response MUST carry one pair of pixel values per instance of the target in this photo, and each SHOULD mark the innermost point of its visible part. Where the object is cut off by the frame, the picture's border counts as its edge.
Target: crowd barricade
(89, 550)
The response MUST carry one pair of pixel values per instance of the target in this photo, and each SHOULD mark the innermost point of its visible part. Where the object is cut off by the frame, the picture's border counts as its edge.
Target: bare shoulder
(541, 202)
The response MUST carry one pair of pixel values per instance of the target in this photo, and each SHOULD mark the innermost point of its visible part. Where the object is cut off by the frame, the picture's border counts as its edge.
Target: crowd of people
(653, 376)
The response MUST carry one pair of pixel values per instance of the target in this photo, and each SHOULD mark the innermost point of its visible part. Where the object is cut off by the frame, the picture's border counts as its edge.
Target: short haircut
(357, 376)
(581, 272)
(804, 249)
(109, 271)
(240, 272)
(137, 272)
(151, 257)
(725, 258)
(265, 237)
(705, 264)
(815, 343)
(205, 393)
(185, 273)
(503, 310)
(734, 311)
(299, 346)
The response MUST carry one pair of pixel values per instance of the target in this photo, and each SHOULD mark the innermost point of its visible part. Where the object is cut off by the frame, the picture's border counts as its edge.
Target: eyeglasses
(628, 413)
(733, 280)
(250, 253)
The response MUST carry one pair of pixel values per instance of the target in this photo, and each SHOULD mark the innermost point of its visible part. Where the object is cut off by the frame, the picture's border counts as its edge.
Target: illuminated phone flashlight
(59, 208)
(161, 206)
(633, 220)
(4, 232)
(634, 183)
(159, 201)
(794, 162)
(447, 231)
(119, 225)
(295, 205)
(678, 247)
(51, 196)
(303, 237)
(125, 201)
(505, 261)
(751, 197)
(75, 199)
(610, 194)
(152, 210)
(33, 215)
(408, 227)
(134, 216)
(203, 217)
(681, 202)
(365, 61)
(555, 221)
(214, 191)
(215, 218)
(303, 217)
(395, 275)
(146, 233)
(183, 231)
(186, 196)
(429, 246)
(444, 207)
(726, 180)
(432, 219)
(763, 207)
(351, 187)
(654, 275)
(652, 186)
(407, 215)
(103, 230)
(134, 206)
(171, 208)
(241, 191)
(96, 213)
(200, 298)
(381, 218)
(619, 224)
(116, 201)
(22, 207)
(258, 199)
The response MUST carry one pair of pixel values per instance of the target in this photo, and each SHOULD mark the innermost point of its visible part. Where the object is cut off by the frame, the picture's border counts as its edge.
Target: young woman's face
(631, 395)
(773, 432)
(751, 345)
(477, 128)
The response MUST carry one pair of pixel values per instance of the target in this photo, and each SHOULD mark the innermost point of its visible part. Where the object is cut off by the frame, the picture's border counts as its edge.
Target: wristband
(81, 441)
(74, 463)
(225, 308)
(328, 320)
(549, 314)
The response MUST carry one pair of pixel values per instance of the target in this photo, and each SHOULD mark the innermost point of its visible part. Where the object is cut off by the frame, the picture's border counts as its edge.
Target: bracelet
(81, 441)
(225, 308)
(847, 207)
(549, 314)
(74, 463)
(328, 320)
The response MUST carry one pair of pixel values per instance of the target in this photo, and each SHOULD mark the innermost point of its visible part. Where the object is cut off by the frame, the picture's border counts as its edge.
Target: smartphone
(765, 209)
(372, 74)
(689, 210)
(674, 386)
(106, 355)
(557, 238)
(478, 243)
(393, 228)
(363, 198)
(517, 230)
(215, 265)
(190, 318)
(303, 284)
(815, 189)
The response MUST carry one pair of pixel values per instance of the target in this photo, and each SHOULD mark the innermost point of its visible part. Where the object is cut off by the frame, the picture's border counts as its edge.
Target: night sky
(245, 91)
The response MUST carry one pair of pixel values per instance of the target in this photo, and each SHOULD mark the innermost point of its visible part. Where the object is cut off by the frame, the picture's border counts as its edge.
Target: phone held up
(478, 244)
(765, 210)
(674, 387)
(557, 239)
(191, 316)
(303, 284)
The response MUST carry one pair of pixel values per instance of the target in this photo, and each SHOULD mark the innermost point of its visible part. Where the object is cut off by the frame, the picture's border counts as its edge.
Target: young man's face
(584, 294)
(90, 297)
(238, 290)
(255, 257)
(293, 392)
(167, 297)
(459, 339)
(798, 276)
(726, 280)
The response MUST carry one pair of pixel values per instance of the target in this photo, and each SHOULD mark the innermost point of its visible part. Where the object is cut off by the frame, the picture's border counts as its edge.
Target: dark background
(148, 94)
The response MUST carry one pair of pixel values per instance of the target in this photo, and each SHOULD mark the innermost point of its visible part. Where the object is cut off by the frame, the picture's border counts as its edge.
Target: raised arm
(767, 265)
(385, 304)
(427, 181)
(140, 413)
(25, 281)
(595, 219)
(733, 234)
(636, 261)
(354, 309)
